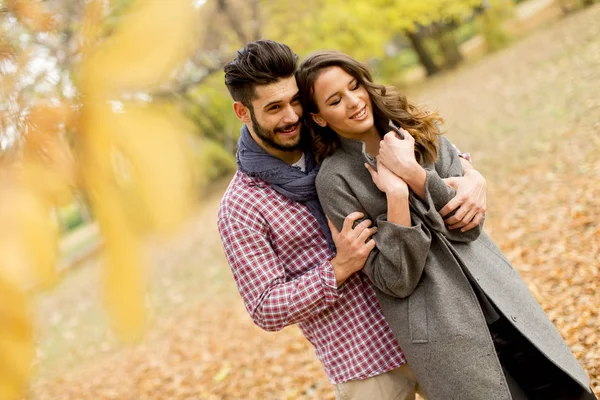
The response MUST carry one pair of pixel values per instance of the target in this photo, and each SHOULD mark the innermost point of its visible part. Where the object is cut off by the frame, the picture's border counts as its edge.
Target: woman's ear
(318, 120)
(241, 112)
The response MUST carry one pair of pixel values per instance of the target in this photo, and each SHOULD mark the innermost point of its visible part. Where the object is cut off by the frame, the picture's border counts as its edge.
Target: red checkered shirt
(281, 265)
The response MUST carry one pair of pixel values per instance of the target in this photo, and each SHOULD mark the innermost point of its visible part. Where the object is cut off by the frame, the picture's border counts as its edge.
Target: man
(288, 267)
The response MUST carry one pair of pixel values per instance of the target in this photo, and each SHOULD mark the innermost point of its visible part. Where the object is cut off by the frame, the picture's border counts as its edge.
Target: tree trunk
(416, 40)
(444, 35)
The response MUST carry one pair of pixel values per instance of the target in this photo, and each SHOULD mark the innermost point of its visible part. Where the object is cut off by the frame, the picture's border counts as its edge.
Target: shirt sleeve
(466, 156)
(273, 299)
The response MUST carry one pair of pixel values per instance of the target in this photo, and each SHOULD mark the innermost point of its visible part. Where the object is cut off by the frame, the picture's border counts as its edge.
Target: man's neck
(288, 157)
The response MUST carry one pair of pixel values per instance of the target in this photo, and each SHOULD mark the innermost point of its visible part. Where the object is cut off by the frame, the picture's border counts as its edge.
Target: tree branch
(235, 24)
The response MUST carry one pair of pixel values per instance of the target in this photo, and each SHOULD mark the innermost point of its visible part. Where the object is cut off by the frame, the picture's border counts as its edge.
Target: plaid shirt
(281, 265)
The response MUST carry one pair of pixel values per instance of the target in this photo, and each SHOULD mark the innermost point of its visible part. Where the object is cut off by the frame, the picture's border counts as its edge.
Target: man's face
(276, 115)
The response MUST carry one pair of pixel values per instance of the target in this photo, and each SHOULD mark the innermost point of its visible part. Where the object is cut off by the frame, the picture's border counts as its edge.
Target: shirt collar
(358, 149)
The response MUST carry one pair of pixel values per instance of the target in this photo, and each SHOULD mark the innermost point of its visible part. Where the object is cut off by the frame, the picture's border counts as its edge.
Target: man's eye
(274, 108)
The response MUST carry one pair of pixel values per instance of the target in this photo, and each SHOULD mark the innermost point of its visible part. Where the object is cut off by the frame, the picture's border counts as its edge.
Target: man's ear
(241, 112)
(318, 120)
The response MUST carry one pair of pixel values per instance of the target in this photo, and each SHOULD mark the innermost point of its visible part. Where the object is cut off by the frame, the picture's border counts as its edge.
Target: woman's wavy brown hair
(388, 105)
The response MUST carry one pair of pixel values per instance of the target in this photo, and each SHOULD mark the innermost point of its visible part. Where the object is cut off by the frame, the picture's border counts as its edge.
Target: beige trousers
(397, 384)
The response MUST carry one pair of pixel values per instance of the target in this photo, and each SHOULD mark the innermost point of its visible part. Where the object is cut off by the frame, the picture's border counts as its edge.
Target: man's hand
(352, 246)
(470, 201)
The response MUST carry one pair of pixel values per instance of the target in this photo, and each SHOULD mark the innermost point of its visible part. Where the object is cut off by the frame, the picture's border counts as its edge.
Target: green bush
(389, 69)
(491, 24)
(70, 217)
(212, 162)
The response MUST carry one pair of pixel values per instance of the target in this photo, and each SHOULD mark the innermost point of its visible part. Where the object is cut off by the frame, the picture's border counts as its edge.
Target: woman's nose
(353, 100)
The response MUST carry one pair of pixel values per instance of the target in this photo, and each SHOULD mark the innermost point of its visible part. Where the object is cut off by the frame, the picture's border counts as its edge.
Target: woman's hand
(396, 191)
(387, 181)
(399, 154)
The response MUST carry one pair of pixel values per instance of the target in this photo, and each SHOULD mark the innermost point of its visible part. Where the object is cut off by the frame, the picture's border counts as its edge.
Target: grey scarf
(290, 181)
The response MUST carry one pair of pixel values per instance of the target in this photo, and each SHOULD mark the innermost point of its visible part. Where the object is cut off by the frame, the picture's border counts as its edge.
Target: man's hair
(259, 63)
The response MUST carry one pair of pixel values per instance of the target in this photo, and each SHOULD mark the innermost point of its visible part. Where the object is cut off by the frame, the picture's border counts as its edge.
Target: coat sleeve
(396, 264)
(438, 194)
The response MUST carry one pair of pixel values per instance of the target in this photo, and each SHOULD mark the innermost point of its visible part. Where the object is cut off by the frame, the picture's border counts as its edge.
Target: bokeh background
(117, 140)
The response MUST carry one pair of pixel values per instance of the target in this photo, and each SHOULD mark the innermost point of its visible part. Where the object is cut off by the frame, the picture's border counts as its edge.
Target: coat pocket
(417, 315)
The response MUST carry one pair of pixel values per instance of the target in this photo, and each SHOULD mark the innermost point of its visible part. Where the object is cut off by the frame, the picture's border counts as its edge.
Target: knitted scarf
(290, 181)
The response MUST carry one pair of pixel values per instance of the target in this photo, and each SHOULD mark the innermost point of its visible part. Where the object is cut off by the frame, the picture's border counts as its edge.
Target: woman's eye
(335, 103)
(356, 86)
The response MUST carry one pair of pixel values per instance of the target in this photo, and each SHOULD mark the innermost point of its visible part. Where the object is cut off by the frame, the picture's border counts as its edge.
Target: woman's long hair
(387, 103)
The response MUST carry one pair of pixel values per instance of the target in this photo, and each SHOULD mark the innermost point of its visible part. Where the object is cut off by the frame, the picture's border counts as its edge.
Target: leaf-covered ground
(530, 116)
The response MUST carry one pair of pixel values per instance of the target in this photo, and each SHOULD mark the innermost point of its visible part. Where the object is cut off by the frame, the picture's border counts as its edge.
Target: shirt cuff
(329, 282)
(466, 156)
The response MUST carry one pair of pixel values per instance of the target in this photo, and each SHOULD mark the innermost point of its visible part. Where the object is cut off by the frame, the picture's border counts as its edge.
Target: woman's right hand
(387, 181)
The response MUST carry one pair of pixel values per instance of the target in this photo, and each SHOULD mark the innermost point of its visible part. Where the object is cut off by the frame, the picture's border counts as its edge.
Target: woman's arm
(401, 247)
(438, 194)
(431, 192)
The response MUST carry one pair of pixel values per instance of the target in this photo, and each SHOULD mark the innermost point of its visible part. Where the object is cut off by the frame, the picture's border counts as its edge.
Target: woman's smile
(361, 114)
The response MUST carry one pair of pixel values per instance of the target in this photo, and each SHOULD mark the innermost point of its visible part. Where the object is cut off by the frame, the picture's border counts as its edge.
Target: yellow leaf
(222, 374)
(143, 149)
(16, 339)
(32, 14)
(154, 38)
(91, 26)
(123, 275)
(29, 247)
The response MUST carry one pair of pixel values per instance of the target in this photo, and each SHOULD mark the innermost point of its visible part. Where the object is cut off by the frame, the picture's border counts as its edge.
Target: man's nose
(290, 116)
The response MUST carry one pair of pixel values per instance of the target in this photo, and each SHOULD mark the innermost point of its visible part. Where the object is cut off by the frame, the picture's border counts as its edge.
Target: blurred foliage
(574, 5)
(388, 69)
(97, 98)
(74, 117)
(359, 28)
(213, 162)
(69, 217)
(491, 24)
(209, 107)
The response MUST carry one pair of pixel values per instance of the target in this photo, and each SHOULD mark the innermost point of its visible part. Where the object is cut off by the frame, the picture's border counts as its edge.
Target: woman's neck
(371, 139)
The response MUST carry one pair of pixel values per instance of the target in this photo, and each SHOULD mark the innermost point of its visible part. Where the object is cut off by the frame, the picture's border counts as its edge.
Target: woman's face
(344, 104)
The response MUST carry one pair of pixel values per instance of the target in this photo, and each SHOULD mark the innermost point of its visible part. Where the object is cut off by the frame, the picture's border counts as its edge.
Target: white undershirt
(301, 163)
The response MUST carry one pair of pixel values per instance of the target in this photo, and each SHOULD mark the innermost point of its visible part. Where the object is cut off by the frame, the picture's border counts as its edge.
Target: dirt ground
(529, 115)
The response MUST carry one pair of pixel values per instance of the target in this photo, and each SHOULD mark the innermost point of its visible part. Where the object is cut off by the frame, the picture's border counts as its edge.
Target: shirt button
(513, 318)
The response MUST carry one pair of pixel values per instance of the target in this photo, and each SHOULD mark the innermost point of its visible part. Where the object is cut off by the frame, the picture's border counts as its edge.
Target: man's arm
(272, 299)
(470, 201)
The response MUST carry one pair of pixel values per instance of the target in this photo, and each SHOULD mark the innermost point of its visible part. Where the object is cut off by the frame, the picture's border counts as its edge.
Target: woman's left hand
(399, 154)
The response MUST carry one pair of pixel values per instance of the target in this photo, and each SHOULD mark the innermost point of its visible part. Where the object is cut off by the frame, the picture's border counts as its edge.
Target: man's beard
(268, 136)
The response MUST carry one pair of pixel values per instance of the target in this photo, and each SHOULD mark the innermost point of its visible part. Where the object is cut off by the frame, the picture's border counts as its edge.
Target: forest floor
(530, 117)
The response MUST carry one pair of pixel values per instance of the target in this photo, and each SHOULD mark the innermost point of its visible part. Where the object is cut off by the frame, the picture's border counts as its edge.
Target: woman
(467, 323)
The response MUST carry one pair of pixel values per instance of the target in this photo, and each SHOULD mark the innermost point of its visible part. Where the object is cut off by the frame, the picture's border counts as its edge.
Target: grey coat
(420, 277)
